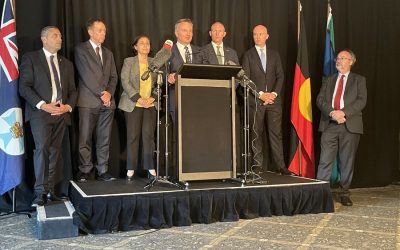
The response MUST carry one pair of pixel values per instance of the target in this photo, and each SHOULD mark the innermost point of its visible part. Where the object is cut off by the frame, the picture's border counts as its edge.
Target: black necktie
(98, 54)
(56, 79)
(187, 55)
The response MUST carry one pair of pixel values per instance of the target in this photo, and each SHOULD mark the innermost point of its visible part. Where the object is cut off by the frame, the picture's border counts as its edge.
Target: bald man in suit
(263, 66)
(97, 81)
(341, 100)
(216, 52)
(48, 86)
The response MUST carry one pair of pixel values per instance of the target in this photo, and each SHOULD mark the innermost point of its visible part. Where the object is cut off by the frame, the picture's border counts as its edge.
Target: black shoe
(106, 177)
(345, 200)
(284, 171)
(82, 177)
(40, 200)
(52, 197)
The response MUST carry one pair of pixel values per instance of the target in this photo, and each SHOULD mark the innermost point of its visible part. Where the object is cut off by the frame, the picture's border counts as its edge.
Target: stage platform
(121, 206)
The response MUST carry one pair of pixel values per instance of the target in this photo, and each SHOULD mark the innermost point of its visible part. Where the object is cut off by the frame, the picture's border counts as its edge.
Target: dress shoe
(284, 171)
(129, 175)
(345, 200)
(106, 177)
(82, 177)
(52, 197)
(40, 200)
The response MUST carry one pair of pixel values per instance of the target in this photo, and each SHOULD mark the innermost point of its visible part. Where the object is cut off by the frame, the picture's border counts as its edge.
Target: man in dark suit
(182, 52)
(263, 66)
(216, 52)
(97, 81)
(341, 100)
(47, 84)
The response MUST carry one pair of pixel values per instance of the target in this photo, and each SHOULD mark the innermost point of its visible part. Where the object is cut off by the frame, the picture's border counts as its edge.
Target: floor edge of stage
(206, 202)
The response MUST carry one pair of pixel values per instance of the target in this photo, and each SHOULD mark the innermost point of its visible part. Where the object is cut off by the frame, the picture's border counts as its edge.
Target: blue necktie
(263, 59)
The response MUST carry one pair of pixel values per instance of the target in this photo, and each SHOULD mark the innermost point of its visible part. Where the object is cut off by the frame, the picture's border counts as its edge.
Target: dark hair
(136, 40)
(46, 29)
(91, 21)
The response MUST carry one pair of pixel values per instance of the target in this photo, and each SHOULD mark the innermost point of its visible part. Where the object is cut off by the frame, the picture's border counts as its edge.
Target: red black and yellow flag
(302, 161)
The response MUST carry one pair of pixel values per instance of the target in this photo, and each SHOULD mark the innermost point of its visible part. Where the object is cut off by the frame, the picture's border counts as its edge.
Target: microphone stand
(255, 178)
(158, 178)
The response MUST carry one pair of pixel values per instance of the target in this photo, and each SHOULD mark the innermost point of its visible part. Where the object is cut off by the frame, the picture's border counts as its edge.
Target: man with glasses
(341, 100)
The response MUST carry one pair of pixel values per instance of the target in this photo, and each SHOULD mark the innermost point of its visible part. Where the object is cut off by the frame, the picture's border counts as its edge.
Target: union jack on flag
(11, 124)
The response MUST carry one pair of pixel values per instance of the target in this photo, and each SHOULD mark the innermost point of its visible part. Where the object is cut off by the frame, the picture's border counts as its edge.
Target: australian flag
(11, 124)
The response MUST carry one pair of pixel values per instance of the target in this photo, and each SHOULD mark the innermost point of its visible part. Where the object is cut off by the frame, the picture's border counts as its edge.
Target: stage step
(55, 221)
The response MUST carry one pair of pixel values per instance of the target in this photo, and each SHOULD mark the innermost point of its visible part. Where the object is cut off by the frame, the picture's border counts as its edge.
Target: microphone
(159, 60)
(245, 80)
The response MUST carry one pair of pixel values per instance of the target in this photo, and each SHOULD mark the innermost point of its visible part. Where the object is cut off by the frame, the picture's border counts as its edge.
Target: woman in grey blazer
(138, 102)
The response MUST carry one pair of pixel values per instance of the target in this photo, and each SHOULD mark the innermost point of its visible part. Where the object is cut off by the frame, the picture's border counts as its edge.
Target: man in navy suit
(341, 100)
(216, 52)
(97, 81)
(47, 84)
(182, 52)
(263, 66)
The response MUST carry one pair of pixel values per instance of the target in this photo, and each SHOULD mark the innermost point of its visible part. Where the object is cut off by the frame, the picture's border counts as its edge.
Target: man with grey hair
(341, 100)
(182, 52)
(47, 84)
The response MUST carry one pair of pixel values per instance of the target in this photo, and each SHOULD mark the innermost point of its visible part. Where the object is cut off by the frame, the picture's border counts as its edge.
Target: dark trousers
(336, 138)
(98, 122)
(140, 126)
(48, 133)
(272, 116)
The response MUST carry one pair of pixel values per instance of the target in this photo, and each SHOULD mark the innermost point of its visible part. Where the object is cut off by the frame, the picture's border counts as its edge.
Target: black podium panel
(206, 121)
(206, 129)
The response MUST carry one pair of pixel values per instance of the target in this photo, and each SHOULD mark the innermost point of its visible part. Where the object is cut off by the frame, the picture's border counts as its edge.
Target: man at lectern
(182, 52)
(216, 52)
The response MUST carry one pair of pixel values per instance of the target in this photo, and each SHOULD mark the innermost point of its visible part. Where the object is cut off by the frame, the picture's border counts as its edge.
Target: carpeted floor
(372, 223)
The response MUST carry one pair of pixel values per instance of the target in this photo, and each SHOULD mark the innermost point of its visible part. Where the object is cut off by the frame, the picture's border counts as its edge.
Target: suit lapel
(93, 53)
(257, 59)
(349, 82)
(44, 64)
(332, 87)
(211, 52)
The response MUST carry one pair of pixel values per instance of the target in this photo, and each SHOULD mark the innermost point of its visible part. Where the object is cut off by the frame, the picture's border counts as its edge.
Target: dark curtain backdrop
(370, 28)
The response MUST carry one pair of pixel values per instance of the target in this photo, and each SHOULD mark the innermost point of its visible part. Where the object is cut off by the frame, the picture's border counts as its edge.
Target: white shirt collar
(48, 54)
(94, 45)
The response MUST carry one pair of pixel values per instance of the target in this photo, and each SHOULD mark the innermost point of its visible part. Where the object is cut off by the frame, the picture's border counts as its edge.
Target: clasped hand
(55, 108)
(267, 98)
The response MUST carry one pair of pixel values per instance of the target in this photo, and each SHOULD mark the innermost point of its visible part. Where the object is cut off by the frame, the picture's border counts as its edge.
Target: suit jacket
(94, 77)
(175, 63)
(176, 60)
(35, 83)
(272, 80)
(209, 56)
(354, 97)
(130, 79)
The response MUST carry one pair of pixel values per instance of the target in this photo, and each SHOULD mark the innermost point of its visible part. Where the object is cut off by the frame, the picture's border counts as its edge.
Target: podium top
(208, 71)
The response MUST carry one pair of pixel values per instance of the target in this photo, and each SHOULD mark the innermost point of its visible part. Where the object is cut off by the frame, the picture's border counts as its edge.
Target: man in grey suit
(216, 52)
(48, 86)
(97, 81)
(263, 66)
(341, 100)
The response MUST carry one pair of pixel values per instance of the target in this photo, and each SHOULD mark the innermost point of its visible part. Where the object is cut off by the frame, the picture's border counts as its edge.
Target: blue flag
(11, 124)
(329, 69)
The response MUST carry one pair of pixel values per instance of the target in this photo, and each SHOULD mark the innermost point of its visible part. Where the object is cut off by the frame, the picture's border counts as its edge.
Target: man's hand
(106, 98)
(171, 78)
(339, 116)
(146, 102)
(55, 108)
(267, 98)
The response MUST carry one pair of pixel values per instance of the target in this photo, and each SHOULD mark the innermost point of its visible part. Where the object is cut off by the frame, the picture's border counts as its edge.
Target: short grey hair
(46, 29)
(352, 54)
(183, 20)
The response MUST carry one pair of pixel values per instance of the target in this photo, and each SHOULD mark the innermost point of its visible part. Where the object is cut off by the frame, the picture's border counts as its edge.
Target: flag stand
(14, 207)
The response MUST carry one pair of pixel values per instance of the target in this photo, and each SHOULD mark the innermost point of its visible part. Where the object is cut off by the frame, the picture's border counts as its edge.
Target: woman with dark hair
(138, 102)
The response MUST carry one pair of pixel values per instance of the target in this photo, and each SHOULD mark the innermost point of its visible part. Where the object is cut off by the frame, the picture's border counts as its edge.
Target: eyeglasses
(342, 59)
